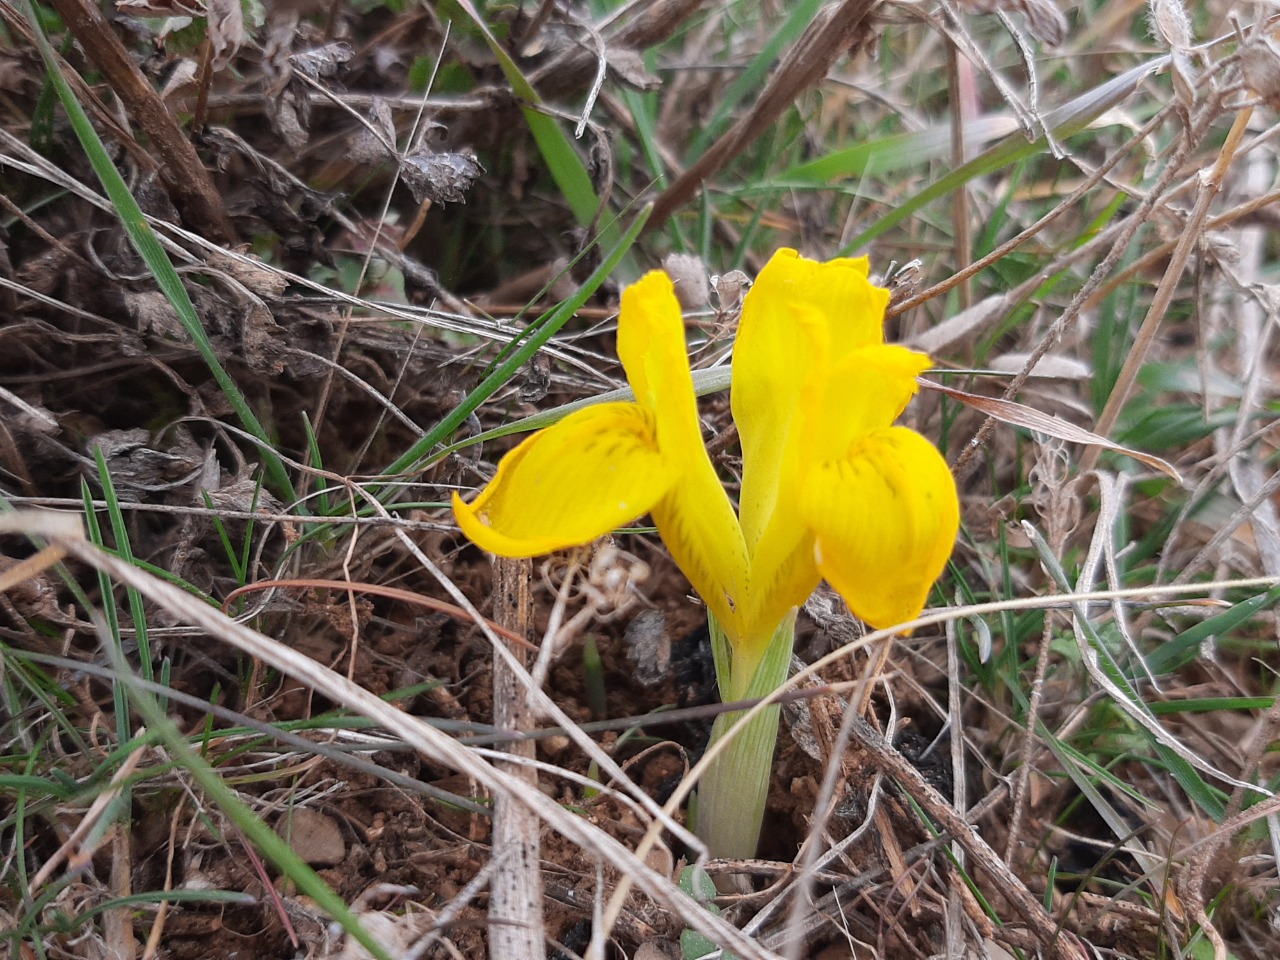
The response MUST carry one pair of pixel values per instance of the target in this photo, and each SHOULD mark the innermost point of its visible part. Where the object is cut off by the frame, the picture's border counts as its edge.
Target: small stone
(656, 950)
(315, 837)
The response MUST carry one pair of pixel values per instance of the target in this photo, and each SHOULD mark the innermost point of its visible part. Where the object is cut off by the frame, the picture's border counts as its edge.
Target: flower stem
(731, 799)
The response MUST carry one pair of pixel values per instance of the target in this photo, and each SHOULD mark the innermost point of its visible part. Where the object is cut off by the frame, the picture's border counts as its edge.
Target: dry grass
(251, 689)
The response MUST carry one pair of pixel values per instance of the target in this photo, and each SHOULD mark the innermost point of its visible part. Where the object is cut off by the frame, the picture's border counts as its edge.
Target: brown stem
(184, 176)
(832, 33)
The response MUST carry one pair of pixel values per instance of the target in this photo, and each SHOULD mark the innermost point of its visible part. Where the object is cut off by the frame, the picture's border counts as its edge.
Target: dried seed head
(730, 288)
(1171, 24)
(1260, 67)
(689, 274)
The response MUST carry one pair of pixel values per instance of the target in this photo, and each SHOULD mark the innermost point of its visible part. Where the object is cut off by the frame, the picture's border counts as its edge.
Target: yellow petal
(862, 394)
(696, 518)
(799, 319)
(885, 519)
(865, 390)
(653, 351)
(784, 571)
(838, 289)
(700, 529)
(769, 361)
(595, 470)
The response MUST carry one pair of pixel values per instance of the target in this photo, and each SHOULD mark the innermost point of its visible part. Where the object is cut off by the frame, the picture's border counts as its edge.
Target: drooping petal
(885, 519)
(595, 470)
(860, 395)
(865, 390)
(696, 518)
(784, 572)
(800, 317)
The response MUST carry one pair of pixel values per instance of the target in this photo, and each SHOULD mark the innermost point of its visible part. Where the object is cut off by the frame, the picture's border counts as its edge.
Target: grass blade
(1063, 122)
(566, 167)
(417, 455)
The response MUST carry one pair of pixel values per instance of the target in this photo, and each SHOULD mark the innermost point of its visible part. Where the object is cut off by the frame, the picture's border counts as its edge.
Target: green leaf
(567, 168)
(751, 80)
(1185, 647)
(894, 152)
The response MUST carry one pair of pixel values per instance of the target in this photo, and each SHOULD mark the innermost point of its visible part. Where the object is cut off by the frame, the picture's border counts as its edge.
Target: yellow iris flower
(830, 487)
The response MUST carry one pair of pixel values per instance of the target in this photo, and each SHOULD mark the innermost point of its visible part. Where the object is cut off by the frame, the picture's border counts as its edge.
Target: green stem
(732, 796)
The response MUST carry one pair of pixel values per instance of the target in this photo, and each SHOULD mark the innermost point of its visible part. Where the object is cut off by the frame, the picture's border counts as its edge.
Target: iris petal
(865, 390)
(698, 526)
(593, 471)
(800, 318)
(885, 518)
(696, 518)
(653, 351)
(838, 289)
(770, 364)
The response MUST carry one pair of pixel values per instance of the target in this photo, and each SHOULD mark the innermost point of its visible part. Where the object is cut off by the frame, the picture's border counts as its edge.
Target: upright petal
(796, 309)
(696, 518)
(595, 470)
(771, 364)
(885, 519)
(653, 351)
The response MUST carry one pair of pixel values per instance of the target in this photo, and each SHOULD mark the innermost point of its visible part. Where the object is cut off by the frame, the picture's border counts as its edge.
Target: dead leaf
(155, 317)
(162, 8)
(138, 466)
(1058, 368)
(440, 177)
(963, 326)
(252, 272)
(376, 144)
(226, 30)
(1044, 20)
(315, 837)
(30, 418)
(322, 61)
(628, 67)
(1020, 415)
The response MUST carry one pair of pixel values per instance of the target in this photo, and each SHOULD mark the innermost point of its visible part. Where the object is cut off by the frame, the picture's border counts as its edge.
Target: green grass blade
(120, 531)
(1211, 801)
(30, 783)
(566, 166)
(110, 613)
(752, 80)
(642, 110)
(1212, 704)
(1063, 122)
(708, 381)
(892, 153)
(1185, 647)
(415, 456)
(255, 830)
